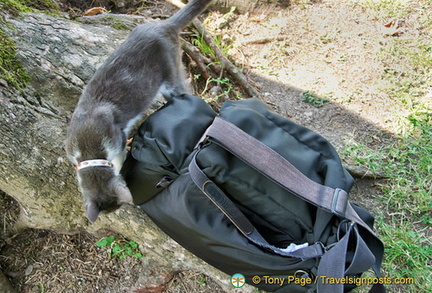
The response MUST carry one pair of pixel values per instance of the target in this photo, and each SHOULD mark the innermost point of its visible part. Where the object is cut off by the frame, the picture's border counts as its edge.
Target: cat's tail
(188, 13)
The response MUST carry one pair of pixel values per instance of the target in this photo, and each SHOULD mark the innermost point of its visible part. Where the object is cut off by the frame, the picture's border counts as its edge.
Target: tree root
(360, 172)
(199, 59)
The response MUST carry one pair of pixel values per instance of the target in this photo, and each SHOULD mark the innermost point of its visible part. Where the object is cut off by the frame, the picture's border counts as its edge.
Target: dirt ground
(325, 47)
(38, 261)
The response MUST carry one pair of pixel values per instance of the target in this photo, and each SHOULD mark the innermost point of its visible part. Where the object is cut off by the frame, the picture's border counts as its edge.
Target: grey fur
(148, 63)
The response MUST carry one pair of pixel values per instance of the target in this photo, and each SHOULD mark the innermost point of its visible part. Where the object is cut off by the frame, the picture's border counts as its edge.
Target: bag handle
(275, 167)
(333, 262)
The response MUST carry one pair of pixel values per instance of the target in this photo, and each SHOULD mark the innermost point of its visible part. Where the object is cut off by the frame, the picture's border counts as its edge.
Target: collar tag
(93, 163)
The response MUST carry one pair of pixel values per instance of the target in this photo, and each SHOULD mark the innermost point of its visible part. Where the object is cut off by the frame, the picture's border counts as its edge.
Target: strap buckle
(203, 141)
(339, 202)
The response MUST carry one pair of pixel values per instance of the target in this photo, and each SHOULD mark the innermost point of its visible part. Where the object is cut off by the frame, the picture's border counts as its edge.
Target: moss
(14, 6)
(11, 69)
(22, 6)
(119, 25)
(117, 22)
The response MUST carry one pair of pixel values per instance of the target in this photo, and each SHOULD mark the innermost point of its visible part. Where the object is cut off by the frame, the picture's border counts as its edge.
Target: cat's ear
(121, 191)
(123, 194)
(92, 211)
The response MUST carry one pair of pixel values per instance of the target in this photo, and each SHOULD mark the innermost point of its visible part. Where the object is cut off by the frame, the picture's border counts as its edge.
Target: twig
(194, 53)
(232, 70)
(204, 63)
(264, 40)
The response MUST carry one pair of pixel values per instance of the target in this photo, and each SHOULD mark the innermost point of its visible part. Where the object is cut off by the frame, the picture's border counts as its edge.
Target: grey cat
(147, 64)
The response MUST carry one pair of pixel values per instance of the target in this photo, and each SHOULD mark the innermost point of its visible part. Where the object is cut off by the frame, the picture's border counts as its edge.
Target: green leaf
(117, 249)
(138, 255)
(105, 242)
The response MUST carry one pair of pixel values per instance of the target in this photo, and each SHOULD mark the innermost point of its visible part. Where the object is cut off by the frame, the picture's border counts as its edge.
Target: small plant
(203, 280)
(225, 82)
(313, 99)
(42, 287)
(225, 88)
(199, 42)
(120, 248)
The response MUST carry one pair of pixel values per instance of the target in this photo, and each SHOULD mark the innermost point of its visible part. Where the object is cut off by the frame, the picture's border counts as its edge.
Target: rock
(5, 285)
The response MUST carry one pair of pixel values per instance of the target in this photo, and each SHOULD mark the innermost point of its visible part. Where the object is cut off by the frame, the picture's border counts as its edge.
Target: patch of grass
(386, 8)
(313, 99)
(406, 225)
(119, 248)
(407, 254)
(407, 74)
(407, 69)
(11, 69)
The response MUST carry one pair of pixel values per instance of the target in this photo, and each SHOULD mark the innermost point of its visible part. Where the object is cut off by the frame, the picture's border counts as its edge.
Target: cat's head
(94, 135)
(103, 190)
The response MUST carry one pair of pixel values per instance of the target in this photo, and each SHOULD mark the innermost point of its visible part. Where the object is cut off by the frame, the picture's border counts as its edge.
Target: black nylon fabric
(163, 143)
(309, 152)
(195, 223)
(164, 146)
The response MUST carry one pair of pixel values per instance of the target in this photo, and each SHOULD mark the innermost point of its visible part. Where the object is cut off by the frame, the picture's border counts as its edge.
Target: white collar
(93, 163)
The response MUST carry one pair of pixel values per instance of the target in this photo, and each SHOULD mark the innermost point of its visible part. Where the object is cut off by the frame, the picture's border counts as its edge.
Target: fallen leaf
(391, 28)
(392, 23)
(95, 11)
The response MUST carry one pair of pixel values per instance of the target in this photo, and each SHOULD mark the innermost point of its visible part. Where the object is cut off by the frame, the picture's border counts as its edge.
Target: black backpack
(253, 194)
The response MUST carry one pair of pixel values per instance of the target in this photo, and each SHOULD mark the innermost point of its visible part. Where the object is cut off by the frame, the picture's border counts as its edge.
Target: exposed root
(360, 172)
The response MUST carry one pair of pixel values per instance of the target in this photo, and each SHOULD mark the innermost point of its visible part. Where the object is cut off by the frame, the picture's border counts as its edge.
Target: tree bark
(60, 56)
